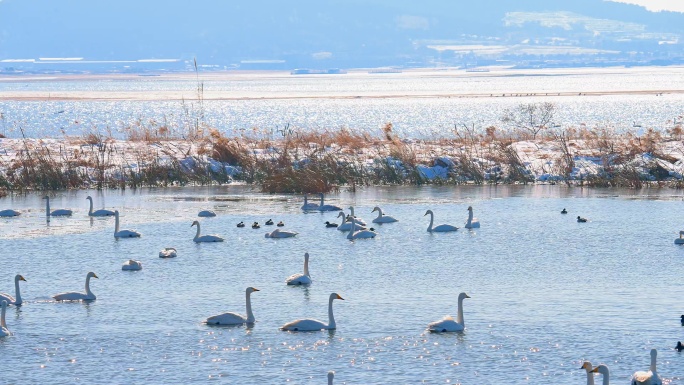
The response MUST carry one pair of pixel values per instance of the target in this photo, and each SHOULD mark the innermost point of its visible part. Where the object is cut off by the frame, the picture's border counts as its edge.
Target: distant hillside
(338, 33)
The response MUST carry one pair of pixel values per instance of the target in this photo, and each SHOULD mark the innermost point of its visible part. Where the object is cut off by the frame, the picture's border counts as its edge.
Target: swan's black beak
(21, 278)
(595, 370)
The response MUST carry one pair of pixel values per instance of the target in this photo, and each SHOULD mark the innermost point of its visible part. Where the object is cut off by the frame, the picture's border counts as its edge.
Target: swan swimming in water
(346, 226)
(447, 324)
(76, 296)
(98, 213)
(440, 228)
(4, 331)
(357, 220)
(55, 213)
(648, 378)
(304, 325)
(309, 206)
(360, 234)
(11, 300)
(168, 252)
(299, 278)
(324, 207)
(204, 238)
(382, 218)
(603, 369)
(234, 318)
(278, 233)
(132, 265)
(472, 223)
(123, 233)
(206, 214)
(9, 213)
(586, 365)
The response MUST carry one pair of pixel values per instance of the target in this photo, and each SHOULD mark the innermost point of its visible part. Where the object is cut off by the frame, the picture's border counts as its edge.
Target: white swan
(309, 206)
(204, 238)
(680, 240)
(324, 207)
(382, 218)
(357, 220)
(440, 228)
(299, 278)
(55, 213)
(98, 213)
(9, 213)
(447, 324)
(123, 233)
(11, 300)
(346, 226)
(586, 365)
(603, 369)
(277, 233)
(77, 296)
(168, 252)
(331, 375)
(472, 223)
(132, 265)
(360, 234)
(4, 331)
(234, 318)
(648, 378)
(206, 214)
(307, 325)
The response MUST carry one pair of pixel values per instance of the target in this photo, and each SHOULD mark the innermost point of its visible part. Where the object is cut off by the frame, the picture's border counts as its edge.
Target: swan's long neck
(470, 216)
(379, 213)
(351, 232)
(198, 231)
(88, 292)
(653, 362)
(459, 318)
(306, 202)
(606, 378)
(17, 291)
(248, 301)
(2, 316)
(321, 200)
(331, 317)
(432, 219)
(47, 206)
(330, 379)
(90, 212)
(352, 212)
(116, 223)
(590, 377)
(306, 265)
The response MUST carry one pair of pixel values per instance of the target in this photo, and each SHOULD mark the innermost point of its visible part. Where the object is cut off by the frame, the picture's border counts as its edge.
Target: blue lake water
(547, 292)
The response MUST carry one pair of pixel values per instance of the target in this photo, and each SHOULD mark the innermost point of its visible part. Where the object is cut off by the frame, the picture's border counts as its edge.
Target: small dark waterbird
(581, 220)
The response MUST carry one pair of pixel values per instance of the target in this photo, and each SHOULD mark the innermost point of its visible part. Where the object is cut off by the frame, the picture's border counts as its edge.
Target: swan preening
(324, 207)
(346, 226)
(680, 240)
(299, 278)
(9, 213)
(359, 234)
(277, 233)
(4, 331)
(650, 377)
(440, 228)
(472, 223)
(168, 252)
(309, 206)
(303, 325)
(204, 238)
(77, 296)
(603, 369)
(447, 324)
(132, 265)
(206, 214)
(55, 213)
(98, 213)
(123, 233)
(12, 300)
(234, 318)
(382, 218)
(586, 365)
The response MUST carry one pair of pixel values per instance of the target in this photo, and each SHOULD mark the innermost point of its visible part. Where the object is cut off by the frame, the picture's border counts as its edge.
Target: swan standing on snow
(309, 206)
(206, 214)
(204, 238)
(55, 213)
(447, 324)
(98, 213)
(123, 233)
(304, 325)
(648, 378)
(4, 331)
(331, 375)
(440, 228)
(381, 218)
(9, 213)
(346, 226)
(11, 300)
(278, 233)
(132, 265)
(76, 296)
(472, 223)
(586, 365)
(324, 207)
(299, 278)
(603, 369)
(168, 252)
(360, 234)
(234, 318)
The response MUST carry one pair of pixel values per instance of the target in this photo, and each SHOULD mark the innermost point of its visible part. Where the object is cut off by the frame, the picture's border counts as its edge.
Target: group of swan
(649, 377)
(78, 296)
(320, 207)
(12, 300)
